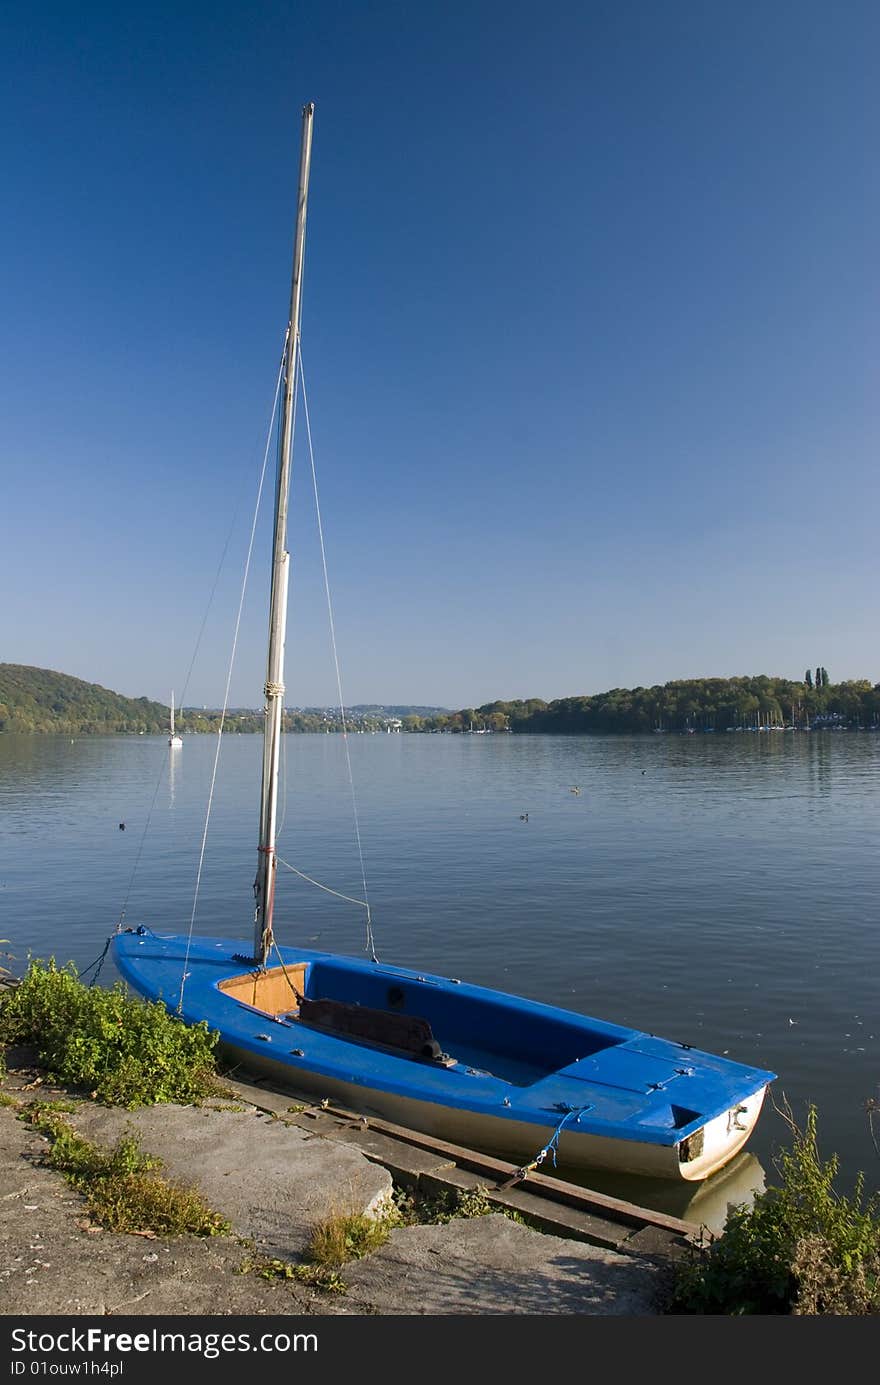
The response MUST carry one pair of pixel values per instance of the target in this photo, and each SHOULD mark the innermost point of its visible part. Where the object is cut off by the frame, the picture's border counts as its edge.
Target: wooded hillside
(39, 699)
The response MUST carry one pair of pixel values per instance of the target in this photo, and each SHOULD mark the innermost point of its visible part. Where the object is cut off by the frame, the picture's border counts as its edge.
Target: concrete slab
(491, 1264)
(271, 1180)
(55, 1261)
(274, 1181)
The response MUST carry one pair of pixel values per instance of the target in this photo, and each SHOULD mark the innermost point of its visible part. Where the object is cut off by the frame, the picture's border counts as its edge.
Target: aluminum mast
(264, 885)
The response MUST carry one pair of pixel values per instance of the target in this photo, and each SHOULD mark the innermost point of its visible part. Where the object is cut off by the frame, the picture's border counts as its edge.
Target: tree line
(43, 701)
(691, 704)
(34, 700)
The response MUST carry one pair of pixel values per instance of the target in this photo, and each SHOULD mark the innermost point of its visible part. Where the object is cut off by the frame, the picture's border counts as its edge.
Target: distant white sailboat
(174, 741)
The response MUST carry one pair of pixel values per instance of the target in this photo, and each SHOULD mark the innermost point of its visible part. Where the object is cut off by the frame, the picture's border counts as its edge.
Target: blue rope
(549, 1148)
(553, 1143)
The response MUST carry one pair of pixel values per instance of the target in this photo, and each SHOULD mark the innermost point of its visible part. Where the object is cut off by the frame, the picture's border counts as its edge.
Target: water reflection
(172, 773)
(705, 1204)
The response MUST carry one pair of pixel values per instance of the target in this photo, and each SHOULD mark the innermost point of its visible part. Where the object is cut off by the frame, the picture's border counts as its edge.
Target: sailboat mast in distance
(173, 740)
(264, 885)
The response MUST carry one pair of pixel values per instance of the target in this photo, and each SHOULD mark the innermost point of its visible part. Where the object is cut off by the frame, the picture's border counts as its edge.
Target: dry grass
(344, 1236)
(825, 1286)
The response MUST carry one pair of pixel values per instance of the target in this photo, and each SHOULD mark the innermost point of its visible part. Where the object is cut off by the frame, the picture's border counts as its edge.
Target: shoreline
(55, 1260)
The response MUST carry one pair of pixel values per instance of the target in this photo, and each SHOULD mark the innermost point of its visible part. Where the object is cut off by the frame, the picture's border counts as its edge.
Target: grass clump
(335, 1241)
(349, 1236)
(345, 1236)
(802, 1248)
(124, 1051)
(122, 1186)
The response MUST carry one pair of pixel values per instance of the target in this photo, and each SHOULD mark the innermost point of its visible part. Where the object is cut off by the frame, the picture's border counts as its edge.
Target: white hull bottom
(722, 1137)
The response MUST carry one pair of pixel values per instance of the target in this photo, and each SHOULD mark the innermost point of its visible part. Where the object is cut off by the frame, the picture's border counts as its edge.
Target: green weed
(123, 1051)
(335, 1241)
(802, 1248)
(122, 1186)
(448, 1205)
(318, 1276)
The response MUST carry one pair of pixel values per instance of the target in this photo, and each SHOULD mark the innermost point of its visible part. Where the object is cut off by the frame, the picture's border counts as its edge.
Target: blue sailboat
(478, 1067)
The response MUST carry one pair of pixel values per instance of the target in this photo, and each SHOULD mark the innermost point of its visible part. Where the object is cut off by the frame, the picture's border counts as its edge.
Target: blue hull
(464, 1063)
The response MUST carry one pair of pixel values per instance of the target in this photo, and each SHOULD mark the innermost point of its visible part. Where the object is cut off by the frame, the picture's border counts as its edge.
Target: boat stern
(713, 1144)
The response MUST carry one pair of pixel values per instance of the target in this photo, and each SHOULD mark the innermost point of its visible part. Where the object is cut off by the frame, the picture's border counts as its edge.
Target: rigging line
(192, 661)
(210, 603)
(302, 875)
(98, 963)
(140, 851)
(299, 996)
(280, 828)
(247, 565)
(370, 945)
(212, 594)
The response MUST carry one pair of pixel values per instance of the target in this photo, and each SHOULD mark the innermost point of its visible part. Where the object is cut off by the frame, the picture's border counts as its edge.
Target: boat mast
(264, 885)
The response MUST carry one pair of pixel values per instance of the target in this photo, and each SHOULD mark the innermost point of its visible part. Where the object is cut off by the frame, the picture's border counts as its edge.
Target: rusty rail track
(429, 1165)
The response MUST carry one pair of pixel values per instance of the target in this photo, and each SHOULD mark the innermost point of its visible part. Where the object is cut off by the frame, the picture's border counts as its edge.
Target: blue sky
(590, 330)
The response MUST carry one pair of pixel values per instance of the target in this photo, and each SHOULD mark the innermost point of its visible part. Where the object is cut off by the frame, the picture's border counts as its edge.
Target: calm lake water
(721, 890)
